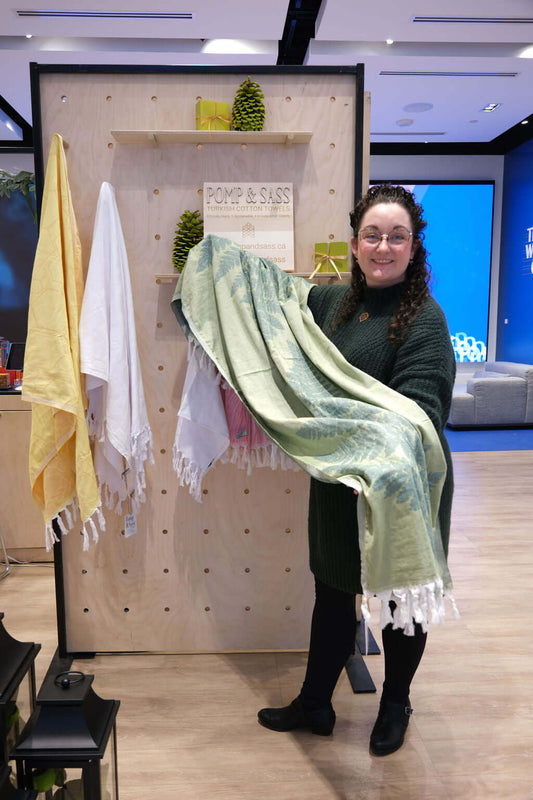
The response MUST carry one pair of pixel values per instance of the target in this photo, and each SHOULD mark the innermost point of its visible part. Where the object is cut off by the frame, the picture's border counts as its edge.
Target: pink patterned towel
(249, 445)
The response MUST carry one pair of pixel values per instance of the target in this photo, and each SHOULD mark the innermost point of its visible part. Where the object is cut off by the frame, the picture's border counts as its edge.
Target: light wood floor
(187, 724)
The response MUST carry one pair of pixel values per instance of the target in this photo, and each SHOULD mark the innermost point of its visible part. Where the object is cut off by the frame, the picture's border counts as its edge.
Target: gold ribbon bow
(325, 257)
(212, 118)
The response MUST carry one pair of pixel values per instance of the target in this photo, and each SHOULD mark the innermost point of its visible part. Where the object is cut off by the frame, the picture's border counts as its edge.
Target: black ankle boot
(389, 729)
(319, 721)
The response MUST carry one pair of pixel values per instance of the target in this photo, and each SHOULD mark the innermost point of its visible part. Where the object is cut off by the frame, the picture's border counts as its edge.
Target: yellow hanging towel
(61, 464)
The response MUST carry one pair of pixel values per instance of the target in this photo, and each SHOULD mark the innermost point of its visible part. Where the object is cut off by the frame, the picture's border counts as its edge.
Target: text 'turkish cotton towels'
(60, 461)
(117, 419)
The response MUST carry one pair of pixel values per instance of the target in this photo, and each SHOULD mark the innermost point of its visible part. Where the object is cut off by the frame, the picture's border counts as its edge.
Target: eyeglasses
(398, 237)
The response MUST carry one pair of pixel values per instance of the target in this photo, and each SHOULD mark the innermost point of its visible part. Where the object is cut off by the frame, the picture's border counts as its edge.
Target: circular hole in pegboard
(205, 491)
(246, 491)
(110, 145)
(199, 97)
(288, 99)
(199, 146)
(331, 236)
(163, 491)
(247, 569)
(206, 569)
(84, 572)
(200, 192)
(159, 324)
(332, 191)
(247, 530)
(156, 191)
(287, 569)
(166, 571)
(206, 530)
(157, 237)
(288, 491)
(288, 530)
(162, 451)
(161, 410)
(109, 98)
(287, 608)
(164, 530)
(167, 608)
(332, 99)
(207, 608)
(154, 98)
(126, 610)
(125, 571)
(247, 608)
(85, 610)
(64, 98)
(244, 146)
(332, 145)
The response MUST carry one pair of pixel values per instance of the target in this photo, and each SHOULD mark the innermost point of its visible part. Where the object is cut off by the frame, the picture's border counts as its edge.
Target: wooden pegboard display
(232, 572)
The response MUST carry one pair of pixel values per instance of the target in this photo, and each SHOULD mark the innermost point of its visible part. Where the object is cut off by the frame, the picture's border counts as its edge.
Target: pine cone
(189, 231)
(248, 112)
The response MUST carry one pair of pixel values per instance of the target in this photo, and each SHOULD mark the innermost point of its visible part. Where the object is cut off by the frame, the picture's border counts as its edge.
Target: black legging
(333, 629)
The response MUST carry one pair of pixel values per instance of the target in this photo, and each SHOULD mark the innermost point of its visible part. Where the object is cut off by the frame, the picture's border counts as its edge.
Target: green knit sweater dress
(421, 368)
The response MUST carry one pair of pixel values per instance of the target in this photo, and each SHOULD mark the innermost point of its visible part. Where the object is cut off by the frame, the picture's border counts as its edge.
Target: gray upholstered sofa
(498, 395)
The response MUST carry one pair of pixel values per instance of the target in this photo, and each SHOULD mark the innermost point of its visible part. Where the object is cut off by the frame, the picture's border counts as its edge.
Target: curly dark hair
(417, 276)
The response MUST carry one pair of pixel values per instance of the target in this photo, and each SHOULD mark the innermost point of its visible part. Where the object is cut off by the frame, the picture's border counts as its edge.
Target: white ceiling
(347, 32)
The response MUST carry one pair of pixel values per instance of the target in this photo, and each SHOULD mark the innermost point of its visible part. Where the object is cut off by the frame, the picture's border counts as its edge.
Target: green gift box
(331, 257)
(212, 116)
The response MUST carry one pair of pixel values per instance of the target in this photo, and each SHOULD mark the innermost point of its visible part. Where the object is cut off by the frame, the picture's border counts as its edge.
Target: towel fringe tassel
(264, 456)
(189, 474)
(70, 514)
(424, 605)
(142, 451)
(50, 537)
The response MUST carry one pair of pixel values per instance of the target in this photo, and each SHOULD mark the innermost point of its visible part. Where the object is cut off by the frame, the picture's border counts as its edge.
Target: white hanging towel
(116, 417)
(202, 435)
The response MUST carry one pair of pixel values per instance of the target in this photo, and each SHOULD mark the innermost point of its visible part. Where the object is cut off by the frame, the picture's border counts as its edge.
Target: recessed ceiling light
(29, 36)
(229, 46)
(417, 108)
(524, 122)
(389, 41)
(491, 107)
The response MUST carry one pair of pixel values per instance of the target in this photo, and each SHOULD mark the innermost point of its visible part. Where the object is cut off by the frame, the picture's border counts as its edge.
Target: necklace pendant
(364, 316)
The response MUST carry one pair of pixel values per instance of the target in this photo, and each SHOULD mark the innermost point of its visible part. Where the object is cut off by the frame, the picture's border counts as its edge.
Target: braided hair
(417, 276)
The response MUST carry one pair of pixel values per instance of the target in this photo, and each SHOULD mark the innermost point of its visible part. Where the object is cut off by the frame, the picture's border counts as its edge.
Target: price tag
(130, 525)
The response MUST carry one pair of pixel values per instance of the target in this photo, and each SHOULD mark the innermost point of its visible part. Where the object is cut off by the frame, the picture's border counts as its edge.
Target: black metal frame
(18, 661)
(76, 711)
(360, 676)
(8, 791)
(10, 145)
(36, 70)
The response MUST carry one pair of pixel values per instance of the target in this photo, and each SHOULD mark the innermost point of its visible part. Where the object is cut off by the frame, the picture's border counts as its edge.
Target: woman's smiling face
(384, 264)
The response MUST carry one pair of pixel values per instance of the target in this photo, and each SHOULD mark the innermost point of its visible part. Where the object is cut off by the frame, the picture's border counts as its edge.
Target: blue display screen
(18, 240)
(458, 238)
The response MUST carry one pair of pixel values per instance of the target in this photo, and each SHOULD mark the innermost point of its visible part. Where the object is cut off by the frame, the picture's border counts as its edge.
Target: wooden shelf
(156, 138)
(172, 277)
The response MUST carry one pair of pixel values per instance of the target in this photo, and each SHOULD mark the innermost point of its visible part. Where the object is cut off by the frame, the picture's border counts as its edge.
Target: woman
(387, 325)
